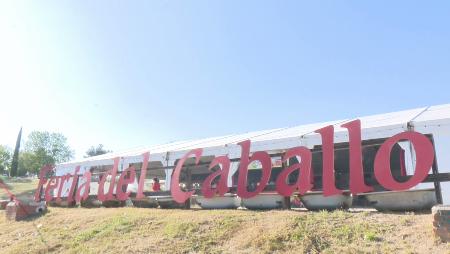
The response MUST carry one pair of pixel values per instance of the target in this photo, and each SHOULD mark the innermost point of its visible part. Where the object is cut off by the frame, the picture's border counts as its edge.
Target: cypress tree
(15, 160)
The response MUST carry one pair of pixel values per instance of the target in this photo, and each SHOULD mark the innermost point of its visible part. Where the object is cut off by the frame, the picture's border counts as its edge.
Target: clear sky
(134, 73)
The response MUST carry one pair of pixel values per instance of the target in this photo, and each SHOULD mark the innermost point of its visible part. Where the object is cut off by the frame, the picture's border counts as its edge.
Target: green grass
(144, 230)
(201, 236)
(322, 231)
(22, 188)
(180, 229)
(114, 225)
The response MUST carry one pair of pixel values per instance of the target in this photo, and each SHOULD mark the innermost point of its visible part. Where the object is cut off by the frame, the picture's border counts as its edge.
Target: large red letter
(424, 160)
(101, 186)
(357, 184)
(266, 163)
(328, 185)
(140, 192)
(303, 183)
(74, 183)
(85, 187)
(52, 184)
(42, 180)
(222, 186)
(123, 180)
(64, 179)
(177, 194)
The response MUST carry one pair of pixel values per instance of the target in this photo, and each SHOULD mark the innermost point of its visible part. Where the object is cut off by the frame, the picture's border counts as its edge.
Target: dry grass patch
(141, 230)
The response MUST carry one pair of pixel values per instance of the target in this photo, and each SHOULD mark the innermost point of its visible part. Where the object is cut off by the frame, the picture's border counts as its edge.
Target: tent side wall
(442, 149)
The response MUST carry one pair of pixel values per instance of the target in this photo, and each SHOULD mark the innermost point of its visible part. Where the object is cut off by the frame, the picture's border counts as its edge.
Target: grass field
(141, 230)
(144, 230)
(23, 188)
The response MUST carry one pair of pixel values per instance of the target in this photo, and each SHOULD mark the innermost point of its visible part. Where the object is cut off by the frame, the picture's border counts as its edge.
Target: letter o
(424, 160)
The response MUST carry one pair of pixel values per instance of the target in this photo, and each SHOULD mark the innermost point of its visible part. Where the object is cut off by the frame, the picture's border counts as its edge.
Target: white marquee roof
(431, 119)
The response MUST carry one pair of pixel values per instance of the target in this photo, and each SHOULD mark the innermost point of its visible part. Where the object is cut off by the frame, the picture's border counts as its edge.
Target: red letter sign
(101, 186)
(266, 163)
(177, 194)
(140, 191)
(424, 160)
(357, 184)
(222, 186)
(84, 187)
(74, 183)
(304, 175)
(52, 184)
(42, 180)
(64, 179)
(124, 181)
(329, 187)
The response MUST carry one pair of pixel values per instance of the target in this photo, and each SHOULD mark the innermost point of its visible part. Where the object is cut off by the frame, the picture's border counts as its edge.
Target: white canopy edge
(427, 120)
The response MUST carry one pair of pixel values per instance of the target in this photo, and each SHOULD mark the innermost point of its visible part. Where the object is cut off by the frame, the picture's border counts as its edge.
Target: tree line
(39, 148)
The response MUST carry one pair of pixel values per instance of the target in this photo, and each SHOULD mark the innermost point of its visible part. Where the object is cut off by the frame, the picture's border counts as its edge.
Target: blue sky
(134, 73)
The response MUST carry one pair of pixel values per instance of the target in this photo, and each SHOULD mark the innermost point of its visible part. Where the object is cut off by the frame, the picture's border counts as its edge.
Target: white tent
(434, 120)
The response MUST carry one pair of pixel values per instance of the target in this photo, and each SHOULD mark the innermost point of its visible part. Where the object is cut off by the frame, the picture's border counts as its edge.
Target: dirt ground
(145, 230)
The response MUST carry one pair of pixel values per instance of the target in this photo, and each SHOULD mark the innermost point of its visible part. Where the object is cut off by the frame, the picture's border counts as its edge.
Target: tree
(94, 151)
(5, 158)
(15, 159)
(42, 148)
(29, 162)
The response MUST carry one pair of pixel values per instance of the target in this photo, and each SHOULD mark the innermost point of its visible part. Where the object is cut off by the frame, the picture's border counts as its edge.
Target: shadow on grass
(35, 216)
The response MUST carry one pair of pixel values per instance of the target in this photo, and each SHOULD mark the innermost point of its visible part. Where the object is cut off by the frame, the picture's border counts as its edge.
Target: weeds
(136, 230)
(115, 225)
